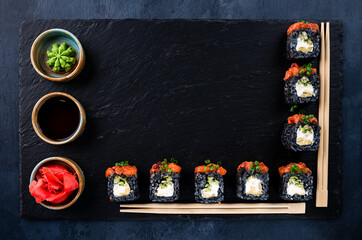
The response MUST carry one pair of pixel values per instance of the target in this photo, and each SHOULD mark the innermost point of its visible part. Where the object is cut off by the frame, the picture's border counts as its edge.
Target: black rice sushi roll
(296, 182)
(209, 183)
(301, 133)
(303, 40)
(122, 183)
(252, 181)
(301, 84)
(165, 181)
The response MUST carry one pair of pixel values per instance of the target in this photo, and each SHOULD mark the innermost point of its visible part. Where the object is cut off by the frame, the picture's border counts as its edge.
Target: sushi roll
(301, 84)
(122, 182)
(303, 40)
(252, 181)
(209, 183)
(165, 181)
(296, 182)
(301, 133)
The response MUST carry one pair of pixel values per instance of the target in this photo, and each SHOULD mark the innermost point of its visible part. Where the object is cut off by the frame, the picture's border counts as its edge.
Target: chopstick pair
(223, 208)
(324, 98)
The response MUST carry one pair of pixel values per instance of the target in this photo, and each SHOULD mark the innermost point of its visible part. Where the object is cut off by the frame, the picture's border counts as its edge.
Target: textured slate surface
(346, 227)
(188, 89)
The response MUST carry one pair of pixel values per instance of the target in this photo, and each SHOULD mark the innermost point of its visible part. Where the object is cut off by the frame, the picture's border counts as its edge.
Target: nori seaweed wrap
(301, 133)
(122, 183)
(165, 181)
(296, 182)
(209, 183)
(252, 181)
(303, 41)
(301, 84)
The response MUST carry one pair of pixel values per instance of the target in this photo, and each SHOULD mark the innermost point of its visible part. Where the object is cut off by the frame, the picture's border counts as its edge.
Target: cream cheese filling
(211, 189)
(253, 186)
(304, 88)
(304, 44)
(295, 186)
(121, 187)
(165, 188)
(305, 135)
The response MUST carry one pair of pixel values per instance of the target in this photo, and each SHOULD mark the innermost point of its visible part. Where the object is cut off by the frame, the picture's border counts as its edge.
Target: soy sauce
(59, 118)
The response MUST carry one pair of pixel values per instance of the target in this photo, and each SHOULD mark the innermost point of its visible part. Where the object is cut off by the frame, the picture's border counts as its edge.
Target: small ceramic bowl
(44, 42)
(73, 168)
(39, 132)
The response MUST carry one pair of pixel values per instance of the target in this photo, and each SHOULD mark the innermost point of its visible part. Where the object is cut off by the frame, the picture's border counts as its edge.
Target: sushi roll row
(302, 82)
(252, 182)
(301, 86)
(296, 181)
(301, 133)
(122, 184)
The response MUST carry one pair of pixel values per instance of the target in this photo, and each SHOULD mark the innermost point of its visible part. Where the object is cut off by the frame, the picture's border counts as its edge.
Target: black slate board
(189, 89)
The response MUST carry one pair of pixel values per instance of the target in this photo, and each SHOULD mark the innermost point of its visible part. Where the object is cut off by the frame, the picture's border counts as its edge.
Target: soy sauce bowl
(77, 129)
(72, 167)
(43, 42)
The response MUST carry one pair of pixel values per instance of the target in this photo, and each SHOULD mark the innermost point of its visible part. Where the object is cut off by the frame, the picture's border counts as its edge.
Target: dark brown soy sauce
(59, 118)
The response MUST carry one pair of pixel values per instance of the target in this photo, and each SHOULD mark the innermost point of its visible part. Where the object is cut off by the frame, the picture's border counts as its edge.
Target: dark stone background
(346, 227)
(191, 89)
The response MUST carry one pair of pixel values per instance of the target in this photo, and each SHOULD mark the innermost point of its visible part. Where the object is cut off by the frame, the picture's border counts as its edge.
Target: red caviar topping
(165, 166)
(247, 166)
(301, 167)
(296, 118)
(300, 25)
(127, 170)
(211, 168)
(295, 70)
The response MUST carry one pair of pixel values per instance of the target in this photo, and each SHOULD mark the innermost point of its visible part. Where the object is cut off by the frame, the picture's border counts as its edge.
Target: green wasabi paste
(61, 57)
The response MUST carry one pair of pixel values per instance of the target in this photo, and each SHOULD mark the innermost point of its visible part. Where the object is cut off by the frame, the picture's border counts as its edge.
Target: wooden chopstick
(321, 118)
(207, 206)
(321, 102)
(322, 179)
(232, 208)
